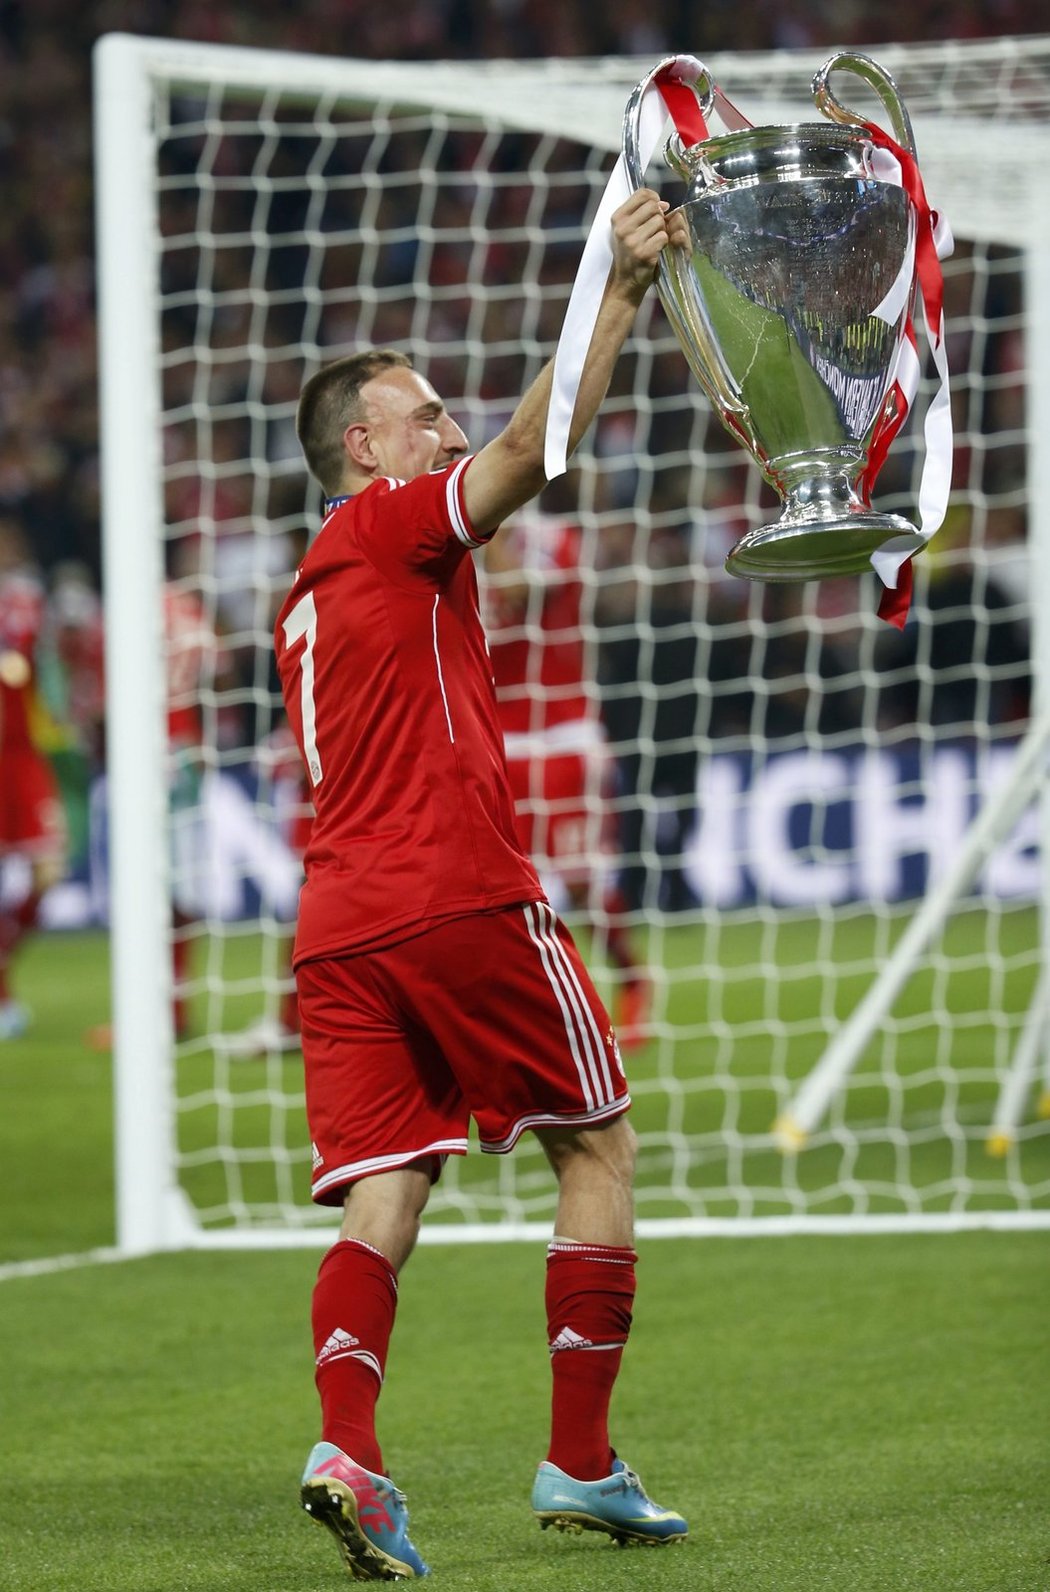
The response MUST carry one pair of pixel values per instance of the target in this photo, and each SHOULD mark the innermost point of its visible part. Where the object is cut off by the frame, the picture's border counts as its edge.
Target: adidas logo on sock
(567, 1339)
(339, 1342)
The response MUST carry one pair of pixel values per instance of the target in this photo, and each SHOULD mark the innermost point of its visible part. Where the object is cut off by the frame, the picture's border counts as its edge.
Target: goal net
(787, 782)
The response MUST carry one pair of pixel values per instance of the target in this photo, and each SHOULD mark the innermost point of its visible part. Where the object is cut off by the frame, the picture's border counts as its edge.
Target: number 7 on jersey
(301, 625)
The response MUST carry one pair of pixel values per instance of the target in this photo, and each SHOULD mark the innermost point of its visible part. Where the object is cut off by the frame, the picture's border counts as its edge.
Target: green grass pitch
(833, 1415)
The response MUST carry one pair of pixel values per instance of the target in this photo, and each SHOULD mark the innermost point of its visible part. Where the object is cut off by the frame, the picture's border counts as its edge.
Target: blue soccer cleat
(364, 1512)
(617, 1504)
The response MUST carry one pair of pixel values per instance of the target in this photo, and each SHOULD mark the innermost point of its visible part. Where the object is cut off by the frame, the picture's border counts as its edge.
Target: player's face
(410, 432)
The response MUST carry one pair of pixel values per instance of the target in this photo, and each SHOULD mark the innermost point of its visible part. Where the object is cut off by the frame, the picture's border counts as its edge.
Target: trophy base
(816, 549)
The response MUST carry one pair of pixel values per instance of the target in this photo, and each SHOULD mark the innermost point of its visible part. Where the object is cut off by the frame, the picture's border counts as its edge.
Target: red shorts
(32, 818)
(562, 820)
(491, 1016)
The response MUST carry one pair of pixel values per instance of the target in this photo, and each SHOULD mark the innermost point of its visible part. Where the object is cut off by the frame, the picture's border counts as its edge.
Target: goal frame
(152, 1213)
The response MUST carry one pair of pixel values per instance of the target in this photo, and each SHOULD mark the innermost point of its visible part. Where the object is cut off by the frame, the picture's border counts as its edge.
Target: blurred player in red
(192, 654)
(558, 765)
(32, 822)
(436, 984)
(281, 769)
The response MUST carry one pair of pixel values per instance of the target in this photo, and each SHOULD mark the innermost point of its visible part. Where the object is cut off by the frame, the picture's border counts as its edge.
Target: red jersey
(22, 607)
(388, 689)
(536, 642)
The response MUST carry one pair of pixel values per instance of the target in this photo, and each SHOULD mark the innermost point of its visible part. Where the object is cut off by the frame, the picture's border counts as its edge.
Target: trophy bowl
(790, 305)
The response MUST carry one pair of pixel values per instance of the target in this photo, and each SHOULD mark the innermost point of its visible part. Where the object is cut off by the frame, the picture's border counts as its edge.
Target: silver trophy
(796, 245)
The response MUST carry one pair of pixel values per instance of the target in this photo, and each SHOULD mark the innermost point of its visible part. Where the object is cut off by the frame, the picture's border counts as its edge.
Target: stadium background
(834, 1416)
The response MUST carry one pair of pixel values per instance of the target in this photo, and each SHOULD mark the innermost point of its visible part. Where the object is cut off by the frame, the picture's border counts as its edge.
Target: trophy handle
(877, 78)
(704, 88)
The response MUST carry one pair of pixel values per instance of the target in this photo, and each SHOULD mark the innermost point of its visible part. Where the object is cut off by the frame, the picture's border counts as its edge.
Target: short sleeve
(421, 526)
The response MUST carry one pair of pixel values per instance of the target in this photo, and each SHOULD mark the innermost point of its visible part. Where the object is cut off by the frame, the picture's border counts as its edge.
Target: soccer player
(435, 981)
(32, 821)
(557, 761)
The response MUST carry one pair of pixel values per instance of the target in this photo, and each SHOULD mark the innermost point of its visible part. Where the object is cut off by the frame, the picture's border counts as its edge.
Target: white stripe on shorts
(586, 1042)
(606, 1088)
(554, 1119)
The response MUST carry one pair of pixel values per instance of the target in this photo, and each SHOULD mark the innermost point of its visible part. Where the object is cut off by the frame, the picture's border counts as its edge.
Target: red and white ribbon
(933, 243)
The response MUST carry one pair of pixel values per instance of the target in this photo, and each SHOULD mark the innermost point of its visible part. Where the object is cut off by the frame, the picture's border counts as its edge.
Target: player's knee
(622, 1148)
(384, 1211)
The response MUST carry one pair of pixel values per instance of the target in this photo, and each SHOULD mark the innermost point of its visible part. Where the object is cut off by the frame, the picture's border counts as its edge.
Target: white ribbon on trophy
(582, 310)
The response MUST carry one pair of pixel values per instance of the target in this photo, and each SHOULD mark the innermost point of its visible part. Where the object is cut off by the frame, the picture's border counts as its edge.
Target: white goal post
(793, 780)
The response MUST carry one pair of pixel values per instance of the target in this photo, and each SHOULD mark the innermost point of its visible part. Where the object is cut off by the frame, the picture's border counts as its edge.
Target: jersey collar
(331, 504)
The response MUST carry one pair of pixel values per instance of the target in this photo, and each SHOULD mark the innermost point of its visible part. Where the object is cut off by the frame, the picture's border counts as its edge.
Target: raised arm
(509, 470)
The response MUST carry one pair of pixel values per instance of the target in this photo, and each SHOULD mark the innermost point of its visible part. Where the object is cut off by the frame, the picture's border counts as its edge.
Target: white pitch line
(48, 1264)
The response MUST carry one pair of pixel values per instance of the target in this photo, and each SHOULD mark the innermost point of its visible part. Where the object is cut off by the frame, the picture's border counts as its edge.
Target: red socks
(590, 1292)
(354, 1301)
